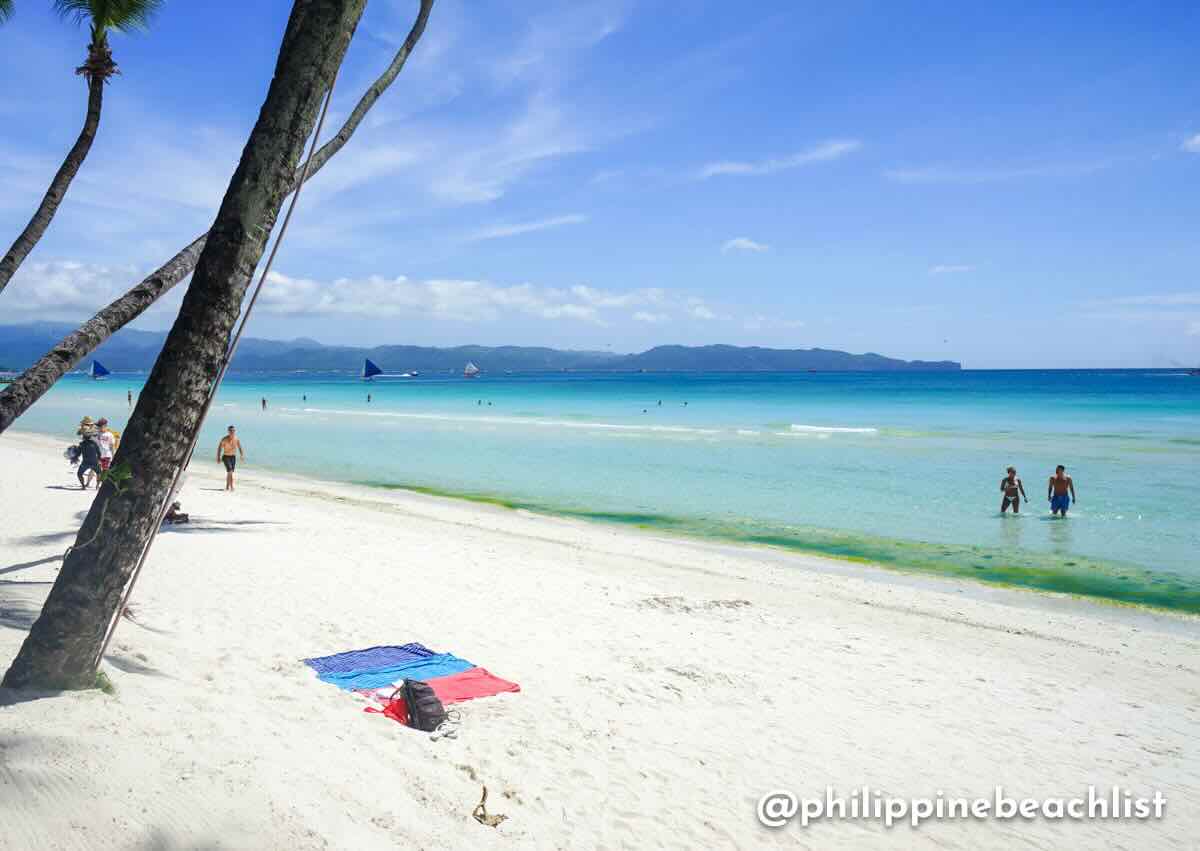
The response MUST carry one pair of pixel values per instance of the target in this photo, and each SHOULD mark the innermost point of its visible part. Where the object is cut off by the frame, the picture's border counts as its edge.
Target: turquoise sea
(902, 469)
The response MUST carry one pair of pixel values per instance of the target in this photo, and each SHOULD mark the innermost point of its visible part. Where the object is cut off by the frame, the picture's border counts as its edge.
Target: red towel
(467, 685)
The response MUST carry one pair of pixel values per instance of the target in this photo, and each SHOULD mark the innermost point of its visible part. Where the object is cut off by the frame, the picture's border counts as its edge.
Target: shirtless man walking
(1013, 490)
(228, 451)
(1057, 491)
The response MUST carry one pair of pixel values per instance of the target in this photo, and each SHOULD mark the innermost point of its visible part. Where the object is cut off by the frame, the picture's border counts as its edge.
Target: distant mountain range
(130, 350)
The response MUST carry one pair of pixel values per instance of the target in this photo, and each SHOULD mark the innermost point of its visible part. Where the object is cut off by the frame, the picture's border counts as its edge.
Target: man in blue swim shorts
(1057, 491)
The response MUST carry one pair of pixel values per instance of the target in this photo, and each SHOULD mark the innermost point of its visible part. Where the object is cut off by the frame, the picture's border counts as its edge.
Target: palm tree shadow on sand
(25, 565)
(208, 526)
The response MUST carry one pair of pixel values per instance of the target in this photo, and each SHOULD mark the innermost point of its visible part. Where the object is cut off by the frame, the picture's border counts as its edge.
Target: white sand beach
(666, 685)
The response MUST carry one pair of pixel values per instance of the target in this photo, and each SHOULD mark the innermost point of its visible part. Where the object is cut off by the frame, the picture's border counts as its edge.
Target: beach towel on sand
(369, 659)
(438, 665)
(466, 685)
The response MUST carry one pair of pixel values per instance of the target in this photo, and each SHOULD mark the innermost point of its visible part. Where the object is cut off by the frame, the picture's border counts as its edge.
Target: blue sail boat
(98, 370)
(370, 369)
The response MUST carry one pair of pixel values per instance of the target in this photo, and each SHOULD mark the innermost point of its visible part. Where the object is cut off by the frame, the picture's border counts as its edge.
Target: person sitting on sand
(174, 515)
(1013, 490)
(1057, 489)
(227, 453)
(89, 460)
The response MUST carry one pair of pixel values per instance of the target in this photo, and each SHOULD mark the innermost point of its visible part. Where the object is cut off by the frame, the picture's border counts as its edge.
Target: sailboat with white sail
(470, 370)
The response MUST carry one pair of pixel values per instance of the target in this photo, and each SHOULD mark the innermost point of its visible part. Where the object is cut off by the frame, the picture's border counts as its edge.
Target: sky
(1007, 185)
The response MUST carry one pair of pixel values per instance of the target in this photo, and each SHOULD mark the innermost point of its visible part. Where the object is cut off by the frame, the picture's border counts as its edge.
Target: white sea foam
(812, 429)
(520, 421)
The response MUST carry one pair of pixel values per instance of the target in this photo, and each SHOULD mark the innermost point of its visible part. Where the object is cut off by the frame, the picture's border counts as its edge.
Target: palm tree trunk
(98, 55)
(27, 388)
(60, 650)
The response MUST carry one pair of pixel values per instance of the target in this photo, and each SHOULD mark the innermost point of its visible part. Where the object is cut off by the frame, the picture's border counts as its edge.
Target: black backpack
(425, 710)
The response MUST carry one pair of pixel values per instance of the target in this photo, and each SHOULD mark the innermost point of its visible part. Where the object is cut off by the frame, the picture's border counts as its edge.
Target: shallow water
(902, 469)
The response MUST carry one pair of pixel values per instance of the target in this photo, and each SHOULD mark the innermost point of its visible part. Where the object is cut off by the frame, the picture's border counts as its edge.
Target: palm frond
(78, 11)
(104, 15)
(6, 10)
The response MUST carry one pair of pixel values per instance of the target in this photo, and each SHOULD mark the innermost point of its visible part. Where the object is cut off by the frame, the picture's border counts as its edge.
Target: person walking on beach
(129, 397)
(89, 459)
(1057, 491)
(1013, 490)
(107, 441)
(228, 451)
(264, 403)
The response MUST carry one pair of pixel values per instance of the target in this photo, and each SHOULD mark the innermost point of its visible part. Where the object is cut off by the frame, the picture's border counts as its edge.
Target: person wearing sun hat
(86, 426)
(89, 457)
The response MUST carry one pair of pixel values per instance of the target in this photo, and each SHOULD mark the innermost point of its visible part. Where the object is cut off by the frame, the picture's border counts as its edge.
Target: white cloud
(451, 300)
(506, 230)
(60, 289)
(474, 301)
(1191, 145)
(605, 298)
(413, 147)
(438, 299)
(554, 35)
(743, 243)
(950, 269)
(826, 151)
(1193, 329)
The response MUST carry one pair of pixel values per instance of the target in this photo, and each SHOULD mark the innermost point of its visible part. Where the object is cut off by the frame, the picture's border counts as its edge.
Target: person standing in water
(129, 397)
(264, 403)
(228, 451)
(1057, 491)
(1013, 490)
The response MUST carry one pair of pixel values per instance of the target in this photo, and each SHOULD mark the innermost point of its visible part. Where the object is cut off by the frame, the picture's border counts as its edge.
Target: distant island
(130, 350)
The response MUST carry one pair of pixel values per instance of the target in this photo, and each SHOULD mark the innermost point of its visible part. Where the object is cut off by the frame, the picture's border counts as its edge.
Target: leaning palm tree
(32, 384)
(62, 648)
(101, 16)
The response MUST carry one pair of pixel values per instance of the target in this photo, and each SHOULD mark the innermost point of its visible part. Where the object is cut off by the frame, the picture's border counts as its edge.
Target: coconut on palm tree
(101, 16)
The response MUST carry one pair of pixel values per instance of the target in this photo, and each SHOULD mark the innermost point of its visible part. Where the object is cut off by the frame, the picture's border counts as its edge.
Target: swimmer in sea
(1013, 490)
(1060, 490)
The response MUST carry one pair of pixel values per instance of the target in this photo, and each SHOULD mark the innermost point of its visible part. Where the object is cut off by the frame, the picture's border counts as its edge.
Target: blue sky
(1006, 186)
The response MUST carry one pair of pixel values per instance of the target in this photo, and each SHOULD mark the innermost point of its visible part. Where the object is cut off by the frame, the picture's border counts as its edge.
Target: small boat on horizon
(98, 371)
(470, 370)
